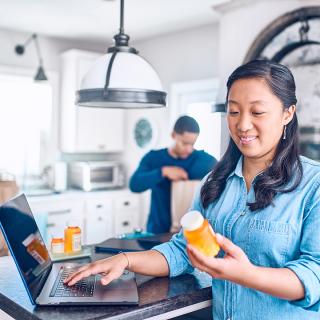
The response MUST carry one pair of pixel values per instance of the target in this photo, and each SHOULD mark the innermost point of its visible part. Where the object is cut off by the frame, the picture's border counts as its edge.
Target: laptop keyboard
(83, 288)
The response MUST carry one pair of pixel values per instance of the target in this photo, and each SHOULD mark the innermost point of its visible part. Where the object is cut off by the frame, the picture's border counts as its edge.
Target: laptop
(42, 278)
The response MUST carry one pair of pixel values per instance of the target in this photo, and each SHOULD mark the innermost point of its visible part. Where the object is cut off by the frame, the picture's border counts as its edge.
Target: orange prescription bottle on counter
(199, 233)
(57, 245)
(72, 238)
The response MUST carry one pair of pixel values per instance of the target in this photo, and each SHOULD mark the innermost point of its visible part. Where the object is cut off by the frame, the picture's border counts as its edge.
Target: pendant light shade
(133, 83)
(40, 75)
(121, 79)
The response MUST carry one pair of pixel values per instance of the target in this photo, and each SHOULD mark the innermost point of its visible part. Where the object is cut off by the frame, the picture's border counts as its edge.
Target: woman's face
(256, 118)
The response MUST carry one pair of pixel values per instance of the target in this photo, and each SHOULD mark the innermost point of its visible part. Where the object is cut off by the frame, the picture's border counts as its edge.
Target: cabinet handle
(49, 225)
(126, 203)
(60, 211)
(125, 223)
(100, 219)
(101, 146)
(98, 206)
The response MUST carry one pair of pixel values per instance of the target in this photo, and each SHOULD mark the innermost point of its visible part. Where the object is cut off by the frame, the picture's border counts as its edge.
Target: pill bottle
(36, 248)
(199, 233)
(57, 244)
(72, 238)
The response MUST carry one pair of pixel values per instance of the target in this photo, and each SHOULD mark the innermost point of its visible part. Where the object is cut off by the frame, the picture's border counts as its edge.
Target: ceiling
(98, 20)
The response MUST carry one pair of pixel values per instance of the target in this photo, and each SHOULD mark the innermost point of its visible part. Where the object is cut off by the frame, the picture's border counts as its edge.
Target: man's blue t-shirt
(149, 176)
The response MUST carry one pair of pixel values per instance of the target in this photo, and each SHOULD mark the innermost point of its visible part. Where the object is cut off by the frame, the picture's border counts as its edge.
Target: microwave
(95, 175)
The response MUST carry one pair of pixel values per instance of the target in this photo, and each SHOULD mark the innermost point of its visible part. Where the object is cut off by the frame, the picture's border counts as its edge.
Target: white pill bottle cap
(192, 220)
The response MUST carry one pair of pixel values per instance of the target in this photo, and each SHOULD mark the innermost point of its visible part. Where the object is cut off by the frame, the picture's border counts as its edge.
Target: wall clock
(143, 133)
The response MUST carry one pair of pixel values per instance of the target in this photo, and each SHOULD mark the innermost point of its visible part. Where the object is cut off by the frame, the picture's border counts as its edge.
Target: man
(158, 168)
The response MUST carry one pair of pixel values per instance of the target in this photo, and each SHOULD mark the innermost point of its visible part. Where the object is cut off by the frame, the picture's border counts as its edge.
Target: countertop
(156, 296)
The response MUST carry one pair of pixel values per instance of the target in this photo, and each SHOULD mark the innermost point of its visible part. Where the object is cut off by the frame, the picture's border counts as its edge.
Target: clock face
(143, 133)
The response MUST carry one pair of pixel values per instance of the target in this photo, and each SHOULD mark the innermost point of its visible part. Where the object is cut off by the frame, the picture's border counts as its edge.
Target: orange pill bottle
(199, 233)
(57, 245)
(72, 239)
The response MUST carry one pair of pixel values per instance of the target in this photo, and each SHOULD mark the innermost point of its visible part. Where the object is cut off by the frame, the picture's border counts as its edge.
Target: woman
(262, 199)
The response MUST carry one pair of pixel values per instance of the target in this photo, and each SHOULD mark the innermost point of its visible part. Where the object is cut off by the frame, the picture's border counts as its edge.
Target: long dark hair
(286, 163)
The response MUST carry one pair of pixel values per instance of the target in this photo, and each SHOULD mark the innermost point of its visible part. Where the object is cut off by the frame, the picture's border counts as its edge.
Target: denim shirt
(283, 235)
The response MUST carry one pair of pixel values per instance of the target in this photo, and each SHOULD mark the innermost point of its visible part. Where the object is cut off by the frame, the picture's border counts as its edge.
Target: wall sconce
(20, 48)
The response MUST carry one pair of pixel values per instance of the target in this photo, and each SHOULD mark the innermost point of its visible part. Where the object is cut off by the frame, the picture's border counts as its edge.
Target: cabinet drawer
(99, 206)
(127, 203)
(125, 222)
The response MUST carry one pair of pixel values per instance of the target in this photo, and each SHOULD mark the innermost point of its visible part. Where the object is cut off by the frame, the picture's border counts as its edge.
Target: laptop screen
(25, 243)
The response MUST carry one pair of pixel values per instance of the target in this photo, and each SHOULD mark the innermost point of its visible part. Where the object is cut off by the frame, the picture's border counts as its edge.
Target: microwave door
(103, 177)
(86, 178)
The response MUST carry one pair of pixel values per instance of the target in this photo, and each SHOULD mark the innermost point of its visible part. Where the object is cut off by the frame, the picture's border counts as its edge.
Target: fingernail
(218, 236)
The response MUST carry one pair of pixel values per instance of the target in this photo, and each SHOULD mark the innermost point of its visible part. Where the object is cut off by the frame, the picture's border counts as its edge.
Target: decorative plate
(143, 132)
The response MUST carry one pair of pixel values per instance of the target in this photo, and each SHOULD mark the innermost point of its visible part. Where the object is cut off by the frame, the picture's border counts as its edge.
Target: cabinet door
(100, 130)
(125, 222)
(99, 221)
(126, 214)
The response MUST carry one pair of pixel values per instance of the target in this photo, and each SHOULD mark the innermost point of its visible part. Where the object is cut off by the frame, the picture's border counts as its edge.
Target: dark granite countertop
(156, 296)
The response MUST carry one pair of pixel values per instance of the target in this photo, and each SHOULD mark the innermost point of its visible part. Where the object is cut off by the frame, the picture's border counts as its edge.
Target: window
(26, 123)
(195, 99)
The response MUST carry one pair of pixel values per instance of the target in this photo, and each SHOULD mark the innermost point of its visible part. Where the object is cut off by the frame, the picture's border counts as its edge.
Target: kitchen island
(159, 298)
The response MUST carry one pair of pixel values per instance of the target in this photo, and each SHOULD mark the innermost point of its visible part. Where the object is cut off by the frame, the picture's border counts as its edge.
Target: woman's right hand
(111, 268)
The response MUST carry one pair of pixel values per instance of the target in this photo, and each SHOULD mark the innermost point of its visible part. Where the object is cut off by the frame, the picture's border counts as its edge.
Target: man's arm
(203, 164)
(145, 177)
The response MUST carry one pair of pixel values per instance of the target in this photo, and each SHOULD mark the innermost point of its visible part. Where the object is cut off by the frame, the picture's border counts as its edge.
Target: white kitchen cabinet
(85, 129)
(127, 210)
(99, 220)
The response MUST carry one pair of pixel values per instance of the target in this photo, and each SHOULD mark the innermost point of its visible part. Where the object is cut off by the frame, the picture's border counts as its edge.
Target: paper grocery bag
(182, 193)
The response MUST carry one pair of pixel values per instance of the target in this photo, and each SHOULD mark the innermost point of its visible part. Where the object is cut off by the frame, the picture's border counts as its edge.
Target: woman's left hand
(234, 266)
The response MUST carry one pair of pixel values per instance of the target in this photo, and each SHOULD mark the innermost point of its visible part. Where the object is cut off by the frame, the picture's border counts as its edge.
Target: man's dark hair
(186, 124)
(285, 172)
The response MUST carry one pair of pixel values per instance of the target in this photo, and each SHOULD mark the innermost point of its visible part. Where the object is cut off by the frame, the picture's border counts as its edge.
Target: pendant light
(20, 48)
(121, 78)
